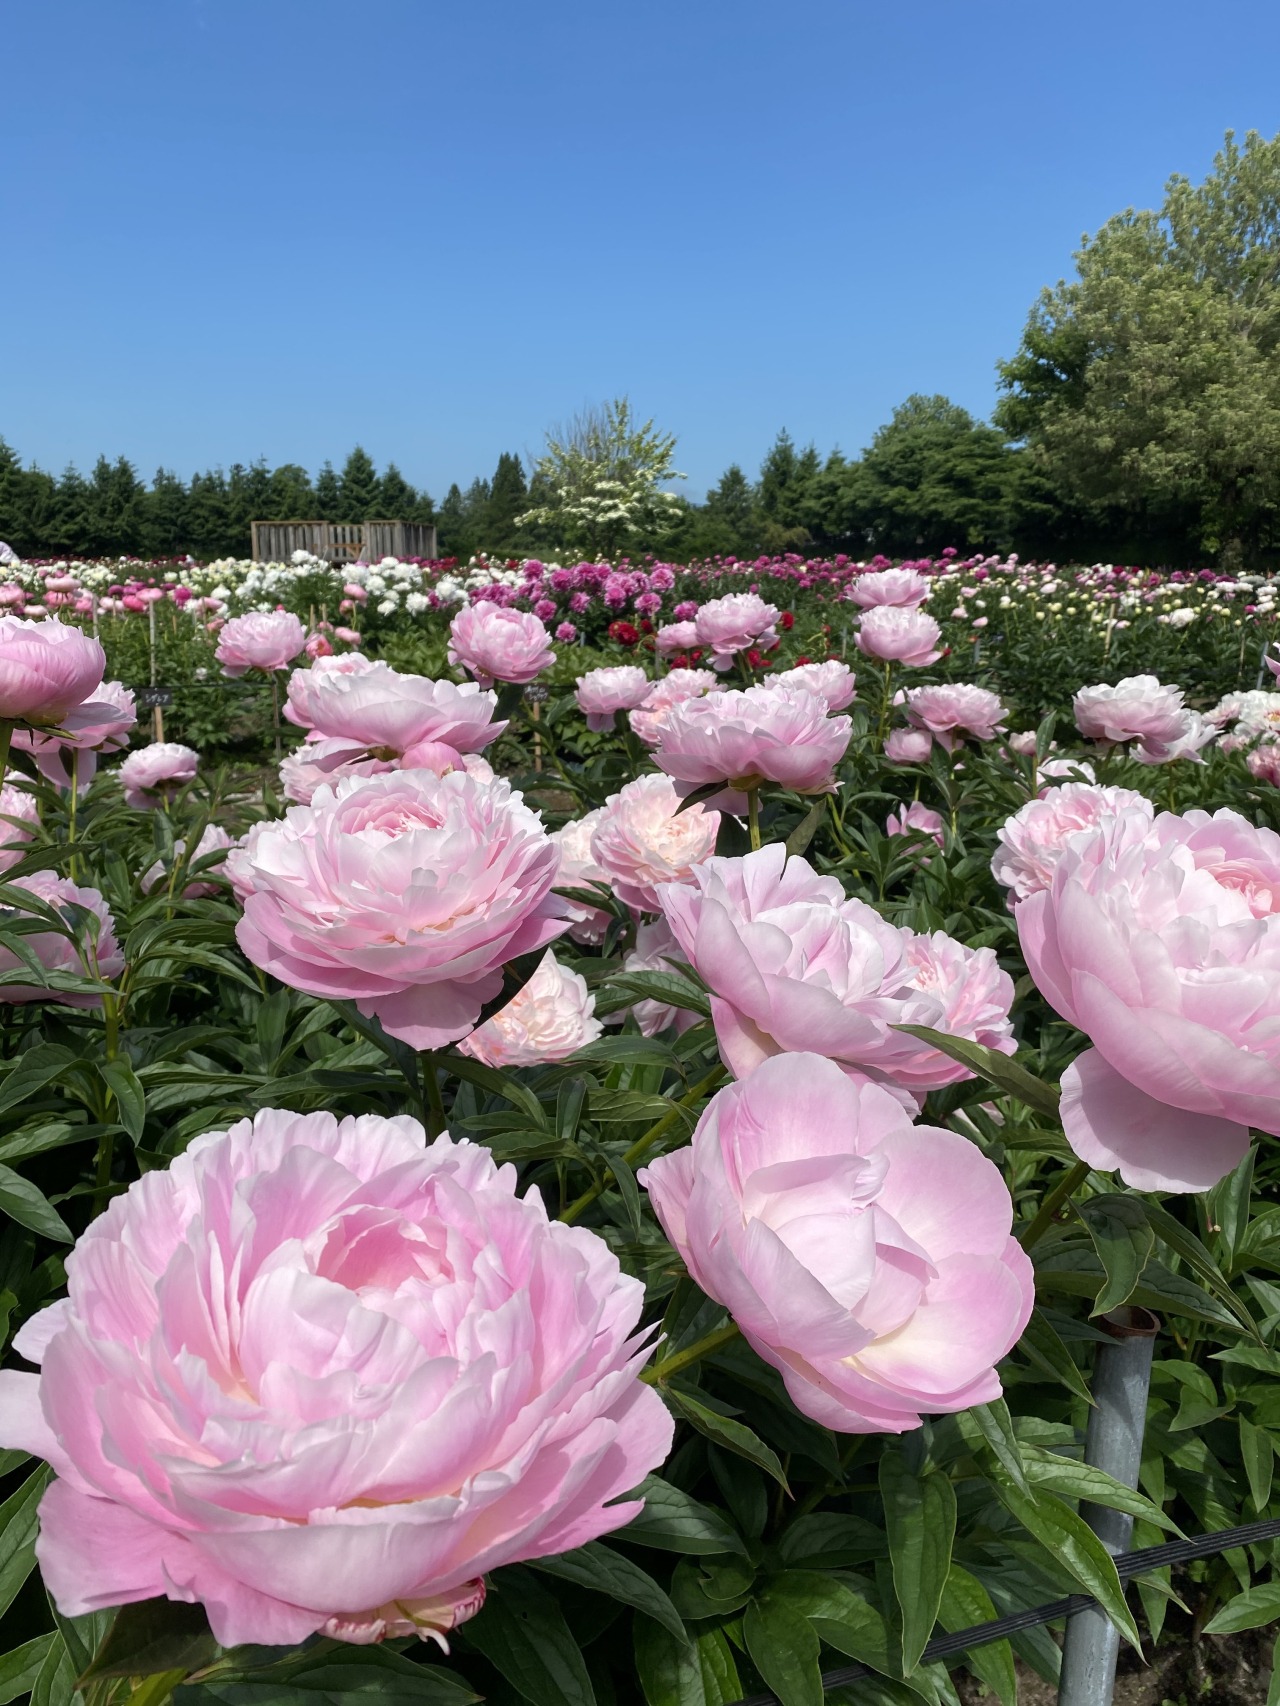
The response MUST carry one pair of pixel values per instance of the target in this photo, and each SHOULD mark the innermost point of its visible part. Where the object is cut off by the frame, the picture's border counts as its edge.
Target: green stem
(1070, 1181)
(753, 817)
(6, 736)
(693, 1353)
(436, 1121)
(643, 1144)
(71, 811)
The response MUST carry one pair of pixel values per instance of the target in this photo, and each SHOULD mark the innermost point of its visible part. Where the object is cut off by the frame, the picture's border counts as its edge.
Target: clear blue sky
(235, 228)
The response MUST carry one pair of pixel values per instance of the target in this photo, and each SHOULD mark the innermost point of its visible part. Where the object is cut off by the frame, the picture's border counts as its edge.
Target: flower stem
(436, 1121)
(643, 1144)
(692, 1353)
(6, 736)
(753, 817)
(1070, 1181)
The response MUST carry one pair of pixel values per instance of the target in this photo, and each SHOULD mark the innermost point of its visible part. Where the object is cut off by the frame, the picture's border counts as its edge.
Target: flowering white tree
(600, 482)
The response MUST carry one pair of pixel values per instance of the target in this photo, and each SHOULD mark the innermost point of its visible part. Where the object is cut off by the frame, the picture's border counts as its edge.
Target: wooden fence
(342, 541)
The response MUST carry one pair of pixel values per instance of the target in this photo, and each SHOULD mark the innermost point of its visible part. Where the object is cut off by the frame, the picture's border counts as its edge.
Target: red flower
(787, 621)
(800, 660)
(680, 661)
(623, 633)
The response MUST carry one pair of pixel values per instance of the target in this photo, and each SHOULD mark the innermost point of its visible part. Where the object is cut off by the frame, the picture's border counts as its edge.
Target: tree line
(1138, 420)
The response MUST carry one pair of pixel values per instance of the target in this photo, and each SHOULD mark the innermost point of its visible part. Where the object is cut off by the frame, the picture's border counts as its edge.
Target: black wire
(1128, 1564)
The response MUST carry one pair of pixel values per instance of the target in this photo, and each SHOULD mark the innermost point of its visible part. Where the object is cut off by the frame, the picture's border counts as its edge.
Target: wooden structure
(342, 541)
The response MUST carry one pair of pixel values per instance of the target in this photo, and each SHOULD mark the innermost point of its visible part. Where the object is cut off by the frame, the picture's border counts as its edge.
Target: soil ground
(1229, 1670)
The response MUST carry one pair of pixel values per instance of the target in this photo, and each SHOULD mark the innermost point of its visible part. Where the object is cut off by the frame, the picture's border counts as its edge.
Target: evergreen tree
(328, 495)
(209, 515)
(14, 501)
(290, 496)
(730, 525)
(396, 497)
(115, 509)
(359, 488)
(165, 530)
(508, 498)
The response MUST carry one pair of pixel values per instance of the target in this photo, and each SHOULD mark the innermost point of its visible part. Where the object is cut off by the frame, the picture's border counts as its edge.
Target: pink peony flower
(673, 689)
(1034, 839)
(897, 634)
(214, 840)
(733, 624)
(922, 819)
(867, 1259)
(1195, 732)
(604, 692)
(265, 640)
(675, 637)
(795, 964)
(325, 763)
(88, 950)
(47, 671)
(378, 712)
(832, 681)
(578, 869)
(320, 1377)
(319, 646)
(499, 645)
(1066, 770)
(102, 724)
(348, 636)
(748, 736)
(1023, 743)
(552, 1017)
(955, 709)
(643, 839)
(155, 773)
(902, 588)
(656, 949)
(1137, 708)
(19, 816)
(908, 746)
(1264, 763)
(406, 893)
(1161, 942)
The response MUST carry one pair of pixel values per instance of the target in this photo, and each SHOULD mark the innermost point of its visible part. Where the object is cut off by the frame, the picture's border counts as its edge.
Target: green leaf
(1201, 1263)
(1124, 1241)
(734, 1436)
(784, 1649)
(55, 1683)
(131, 1099)
(1258, 1453)
(965, 1604)
(920, 1515)
(830, 1540)
(1076, 1480)
(605, 1571)
(38, 1067)
(571, 1099)
(996, 1427)
(804, 832)
(838, 1617)
(671, 1521)
(1227, 1204)
(1068, 1538)
(330, 1675)
(719, 1669)
(998, 1069)
(523, 1634)
(18, 1535)
(1042, 1345)
(670, 1671)
(1261, 1605)
(23, 1202)
(19, 1669)
(669, 988)
(155, 1635)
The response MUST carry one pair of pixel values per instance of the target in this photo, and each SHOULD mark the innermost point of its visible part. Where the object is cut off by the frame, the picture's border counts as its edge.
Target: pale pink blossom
(867, 1259)
(214, 840)
(1137, 708)
(735, 623)
(675, 637)
(833, 682)
(382, 713)
(904, 588)
(406, 893)
(321, 1377)
(908, 746)
(552, 1017)
(1161, 942)
(265, 640)
(1264, 763)
(47, 671)
(1023, 743)
(643, 839)
(673, 689)
(19, 818)
(920, 818)
(1195, 732)
(1034, 838)
(495, 644)
(155, 774)
(749, 736)
(657, 950)
(578, 870)
(85, 947)
(102, 724)
(952, 710)
(898, 634)
(604, 692)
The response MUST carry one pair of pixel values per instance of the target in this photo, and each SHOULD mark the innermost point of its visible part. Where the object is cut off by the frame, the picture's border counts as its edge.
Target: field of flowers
(575, 1134)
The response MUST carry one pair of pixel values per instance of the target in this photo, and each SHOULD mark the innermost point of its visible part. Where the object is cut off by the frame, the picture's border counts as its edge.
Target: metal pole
(1121, 1381)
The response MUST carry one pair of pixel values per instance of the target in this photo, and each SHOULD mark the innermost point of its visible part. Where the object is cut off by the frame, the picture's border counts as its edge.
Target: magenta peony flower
(1137, 708)
(102, 724)
(320, 1377)
(578, 870)
(406, 893)
(922, 819)
(656, 949)
(46, 671)
(897, 634)
(93, 953)
(155, 773)
(955, 709)
(867, 1259)
(908, 746)
(604, 692)
(19, 816)
(1161, 942)
(552, 1017)
(834, 682)
(380, 713)
(499, 645)
(749, 736)
(214, 840)
(792, 963)
(902, 588)
(642, 839)
(675, 637)
(673, 689)
(265, 640)
(735, 623)
(1034, 839)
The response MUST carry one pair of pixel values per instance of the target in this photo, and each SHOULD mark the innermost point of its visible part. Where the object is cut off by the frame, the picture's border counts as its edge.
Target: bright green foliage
(599, 482)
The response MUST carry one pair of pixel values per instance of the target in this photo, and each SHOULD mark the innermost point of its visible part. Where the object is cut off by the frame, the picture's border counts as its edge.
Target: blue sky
(235, 228)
